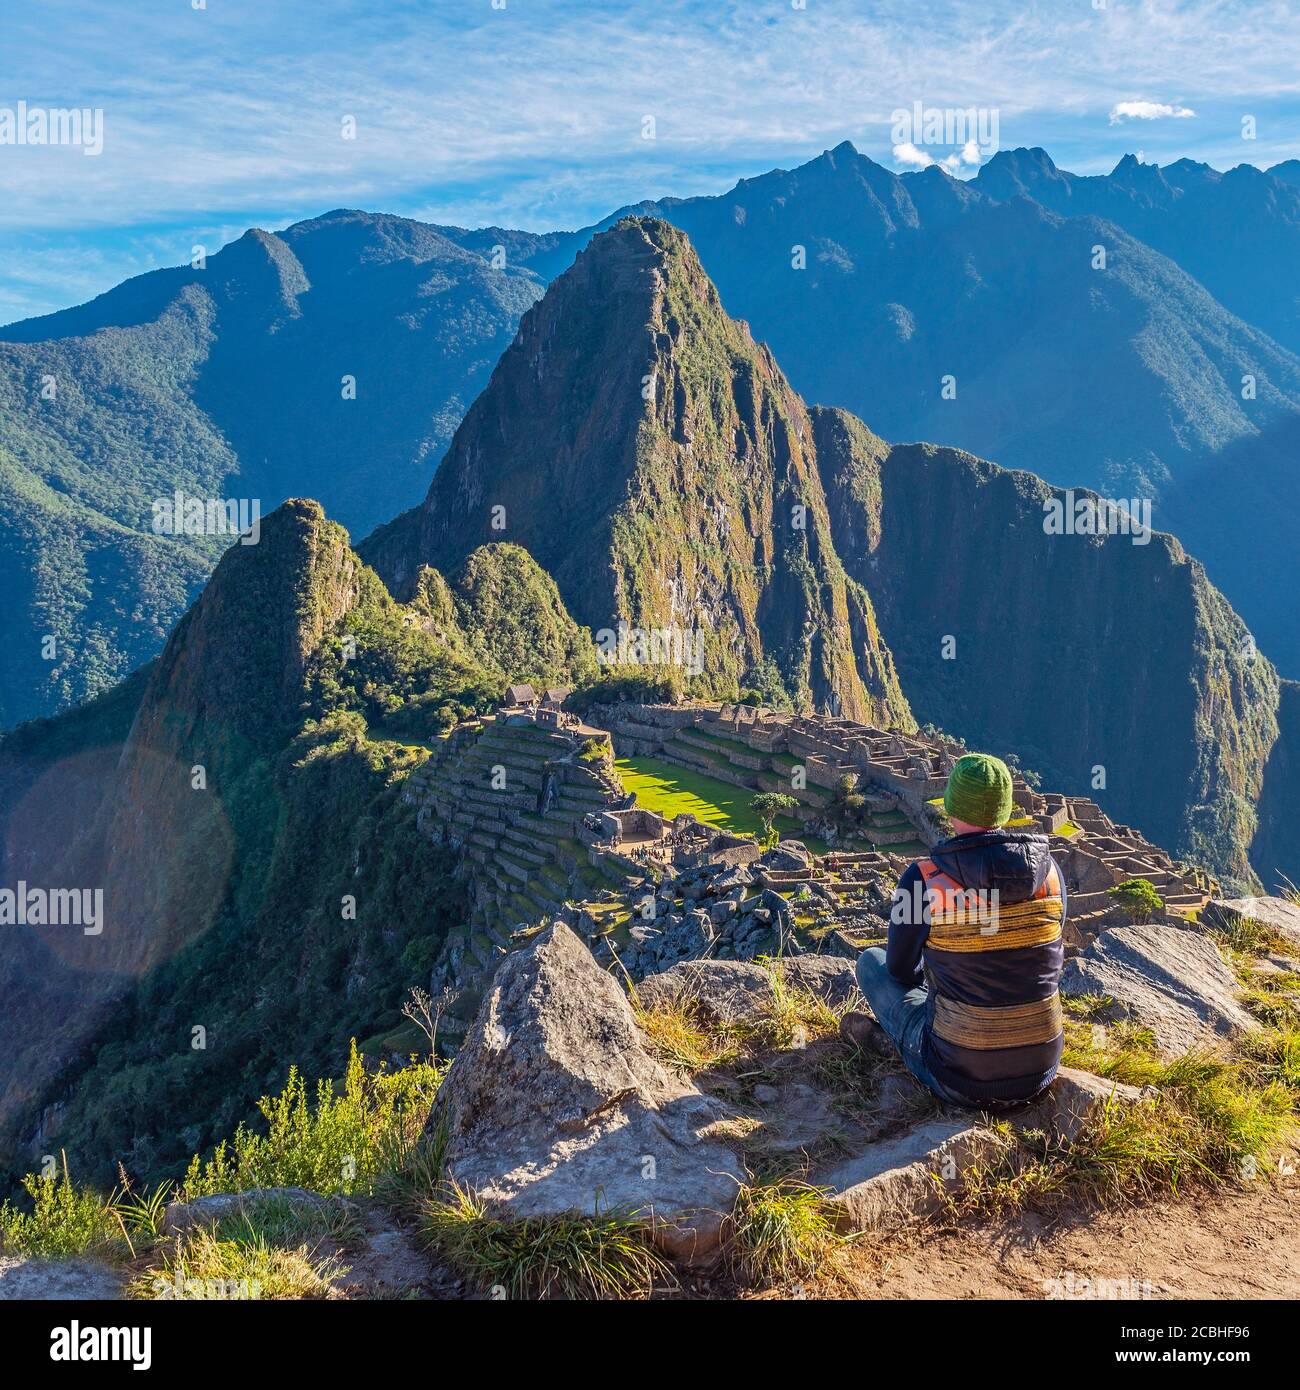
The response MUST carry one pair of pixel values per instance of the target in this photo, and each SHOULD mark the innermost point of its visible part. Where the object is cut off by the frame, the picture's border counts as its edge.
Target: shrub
(64, 1220)
(1138, 899)
(339, 1145)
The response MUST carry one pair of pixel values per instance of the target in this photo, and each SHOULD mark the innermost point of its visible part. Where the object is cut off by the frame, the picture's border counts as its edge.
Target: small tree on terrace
(847, 796)
(1138, 899)
(767, 806)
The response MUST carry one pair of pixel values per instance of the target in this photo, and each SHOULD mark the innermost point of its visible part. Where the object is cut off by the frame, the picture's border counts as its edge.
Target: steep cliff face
(1275, 851)
(1093, 657)
(226, 692)
(652, 458)
(906, 280)
(138, 796)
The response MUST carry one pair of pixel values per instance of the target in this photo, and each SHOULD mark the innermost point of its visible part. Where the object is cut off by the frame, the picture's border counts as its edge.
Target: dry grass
(271, 1248)
(684, 1033)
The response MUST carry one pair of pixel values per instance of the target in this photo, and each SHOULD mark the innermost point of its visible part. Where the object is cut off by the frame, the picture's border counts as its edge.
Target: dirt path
(1238, 1246)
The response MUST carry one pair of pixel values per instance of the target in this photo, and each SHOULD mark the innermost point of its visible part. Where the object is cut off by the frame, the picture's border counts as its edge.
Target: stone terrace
(510, 793)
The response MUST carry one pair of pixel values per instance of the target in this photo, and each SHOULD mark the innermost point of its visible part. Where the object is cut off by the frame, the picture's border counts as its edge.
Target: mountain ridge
(551, 444)
(233, 378)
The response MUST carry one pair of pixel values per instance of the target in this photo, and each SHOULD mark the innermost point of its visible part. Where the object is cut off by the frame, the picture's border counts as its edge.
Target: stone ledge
(913, 1174)
(910, 1176)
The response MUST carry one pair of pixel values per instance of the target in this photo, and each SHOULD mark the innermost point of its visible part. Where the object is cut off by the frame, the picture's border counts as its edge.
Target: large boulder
(554, 1105)
(724, 991)
(1074, 1098)
(727, 991)
(829, 977)
(207, 1211)
(1169, 978)
(787, 857)
(911, 1175)
(1276, 913)
(735, 855)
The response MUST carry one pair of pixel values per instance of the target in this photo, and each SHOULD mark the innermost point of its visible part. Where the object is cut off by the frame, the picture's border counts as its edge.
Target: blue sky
(530, 113)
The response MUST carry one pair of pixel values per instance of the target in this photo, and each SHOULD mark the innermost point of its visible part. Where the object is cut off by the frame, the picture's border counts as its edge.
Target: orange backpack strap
(1051, 885)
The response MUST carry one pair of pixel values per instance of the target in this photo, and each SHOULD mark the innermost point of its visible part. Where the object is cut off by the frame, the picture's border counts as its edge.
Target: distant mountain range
(1127, 379)
(336, 359)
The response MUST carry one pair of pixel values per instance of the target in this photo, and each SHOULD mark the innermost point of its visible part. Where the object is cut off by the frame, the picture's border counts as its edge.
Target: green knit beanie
(979, 790)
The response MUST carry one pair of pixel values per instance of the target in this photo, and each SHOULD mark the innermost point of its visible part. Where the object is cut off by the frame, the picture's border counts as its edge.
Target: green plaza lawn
(670, 790)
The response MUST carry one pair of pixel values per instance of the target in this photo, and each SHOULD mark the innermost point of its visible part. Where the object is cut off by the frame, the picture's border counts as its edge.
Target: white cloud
(909, 155)
(236, 108)
(1147, 111)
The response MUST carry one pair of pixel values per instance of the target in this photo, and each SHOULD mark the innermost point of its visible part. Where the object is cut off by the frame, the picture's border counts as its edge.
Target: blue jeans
(904, 1015)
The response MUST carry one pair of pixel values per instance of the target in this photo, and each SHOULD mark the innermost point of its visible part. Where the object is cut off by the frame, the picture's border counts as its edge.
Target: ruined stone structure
(902, 777)
(509, 793)
(546, 830)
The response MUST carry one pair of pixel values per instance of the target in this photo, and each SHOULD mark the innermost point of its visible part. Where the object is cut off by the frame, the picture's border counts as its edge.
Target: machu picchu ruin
(533, 800)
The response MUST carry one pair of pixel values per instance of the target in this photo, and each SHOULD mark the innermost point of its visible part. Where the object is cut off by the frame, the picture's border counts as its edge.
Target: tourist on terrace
(966, 988)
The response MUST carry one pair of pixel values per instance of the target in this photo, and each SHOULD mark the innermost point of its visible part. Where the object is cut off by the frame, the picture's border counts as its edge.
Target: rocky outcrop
(732, 991)
(1075, 1098)
(207, 1211)
(1275, 850)
(913, 1174)
(84, 1280)
(1170, 979)
(554, 1105)
(1276, 914)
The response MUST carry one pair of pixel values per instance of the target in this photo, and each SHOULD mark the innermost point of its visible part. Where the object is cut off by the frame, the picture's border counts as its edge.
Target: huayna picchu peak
(654, 460)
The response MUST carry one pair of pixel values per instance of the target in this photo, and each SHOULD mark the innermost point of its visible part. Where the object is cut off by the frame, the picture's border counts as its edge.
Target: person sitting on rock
(966, 988)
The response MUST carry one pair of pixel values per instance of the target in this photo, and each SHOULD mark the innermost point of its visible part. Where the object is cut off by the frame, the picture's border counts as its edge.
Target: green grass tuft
(608, 1256)
(204, 1265)
(1208, 1121)
(781, 1231)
